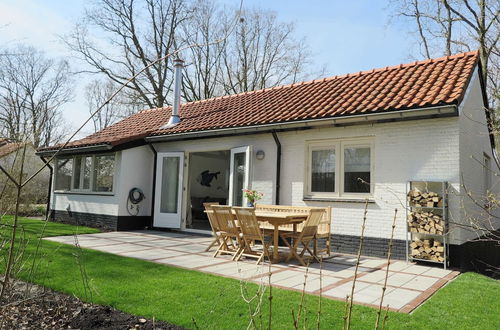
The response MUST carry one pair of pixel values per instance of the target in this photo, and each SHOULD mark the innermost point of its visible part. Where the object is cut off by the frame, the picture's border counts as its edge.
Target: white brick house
(303, 144)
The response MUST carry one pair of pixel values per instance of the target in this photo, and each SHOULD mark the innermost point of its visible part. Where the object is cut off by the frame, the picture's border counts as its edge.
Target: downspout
(278, 167)
(51, 175)
(154, 183)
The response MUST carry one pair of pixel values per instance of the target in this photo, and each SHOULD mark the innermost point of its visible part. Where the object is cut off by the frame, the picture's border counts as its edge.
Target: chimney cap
(178, 62)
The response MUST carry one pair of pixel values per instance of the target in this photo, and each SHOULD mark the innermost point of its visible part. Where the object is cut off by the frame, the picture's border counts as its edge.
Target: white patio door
(168, 195)
(239, 175)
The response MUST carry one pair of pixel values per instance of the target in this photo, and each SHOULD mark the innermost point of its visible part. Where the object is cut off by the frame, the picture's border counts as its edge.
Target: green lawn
(178, 295)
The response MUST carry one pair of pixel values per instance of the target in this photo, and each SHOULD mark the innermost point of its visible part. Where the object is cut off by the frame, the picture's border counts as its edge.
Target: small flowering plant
(252, 195)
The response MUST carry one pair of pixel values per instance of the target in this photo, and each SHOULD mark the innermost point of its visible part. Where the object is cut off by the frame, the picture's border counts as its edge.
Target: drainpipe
(154, 183)
(278, 167)
(51, 175)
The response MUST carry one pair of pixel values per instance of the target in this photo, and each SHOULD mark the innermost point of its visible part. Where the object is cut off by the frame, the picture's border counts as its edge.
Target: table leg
(276, 243)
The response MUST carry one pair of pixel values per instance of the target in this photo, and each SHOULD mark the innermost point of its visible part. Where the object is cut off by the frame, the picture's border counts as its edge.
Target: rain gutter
(418, 113)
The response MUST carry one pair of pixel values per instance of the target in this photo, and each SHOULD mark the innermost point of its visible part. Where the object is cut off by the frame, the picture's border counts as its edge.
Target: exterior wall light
(260, 154)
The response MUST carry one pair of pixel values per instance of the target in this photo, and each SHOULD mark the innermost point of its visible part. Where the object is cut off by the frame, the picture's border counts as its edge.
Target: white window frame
(56, 167)
(92, 173)
(325, 145)
(90, 190)
(247, 150)
(82, 160)
(339, 146)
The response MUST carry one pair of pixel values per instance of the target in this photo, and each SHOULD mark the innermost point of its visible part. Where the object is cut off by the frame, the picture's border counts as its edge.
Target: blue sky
(346, 36)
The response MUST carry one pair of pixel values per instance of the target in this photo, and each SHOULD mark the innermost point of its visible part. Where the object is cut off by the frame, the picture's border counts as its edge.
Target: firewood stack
(427, 249)
(425, 222)
(424, 199)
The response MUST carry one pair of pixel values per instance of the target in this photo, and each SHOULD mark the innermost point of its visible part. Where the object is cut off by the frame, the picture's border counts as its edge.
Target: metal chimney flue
(174, 117)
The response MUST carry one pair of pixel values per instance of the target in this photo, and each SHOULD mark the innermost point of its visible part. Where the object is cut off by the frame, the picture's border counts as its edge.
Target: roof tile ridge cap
(426, 61)
(449, 57)
(152, 109)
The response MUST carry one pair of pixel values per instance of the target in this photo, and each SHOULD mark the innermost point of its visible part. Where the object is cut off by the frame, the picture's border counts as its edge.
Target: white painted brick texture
(403, 151)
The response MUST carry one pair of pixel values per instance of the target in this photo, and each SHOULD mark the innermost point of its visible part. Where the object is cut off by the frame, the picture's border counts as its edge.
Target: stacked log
(424, 199)
(427, 249)
(425, 222)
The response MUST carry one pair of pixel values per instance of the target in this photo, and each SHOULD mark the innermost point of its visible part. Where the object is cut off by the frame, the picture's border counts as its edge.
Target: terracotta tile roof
(440, 81)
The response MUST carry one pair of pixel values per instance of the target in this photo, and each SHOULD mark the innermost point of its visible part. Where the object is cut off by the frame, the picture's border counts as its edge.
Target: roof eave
(76, 150)
(415, 113)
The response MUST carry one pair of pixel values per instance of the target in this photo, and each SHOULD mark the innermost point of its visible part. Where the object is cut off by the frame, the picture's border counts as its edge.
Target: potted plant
(252, 196)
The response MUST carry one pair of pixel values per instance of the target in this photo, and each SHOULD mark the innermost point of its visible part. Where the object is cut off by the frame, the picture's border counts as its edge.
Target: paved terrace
(409, 285)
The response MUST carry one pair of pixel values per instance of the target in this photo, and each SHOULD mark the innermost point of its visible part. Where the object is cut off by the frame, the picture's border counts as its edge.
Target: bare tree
(444, 27)
(133, 35)
(33, 88)
(123, 105)
(263, 53)
(203, 64)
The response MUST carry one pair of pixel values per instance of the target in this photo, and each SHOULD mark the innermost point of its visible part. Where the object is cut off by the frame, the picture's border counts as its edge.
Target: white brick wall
(403, 151)
(137, 171)
(474, 142)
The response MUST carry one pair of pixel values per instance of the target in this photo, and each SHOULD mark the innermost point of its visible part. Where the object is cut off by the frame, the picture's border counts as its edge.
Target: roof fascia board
(468, 88)
(77, 150)
(417, 113)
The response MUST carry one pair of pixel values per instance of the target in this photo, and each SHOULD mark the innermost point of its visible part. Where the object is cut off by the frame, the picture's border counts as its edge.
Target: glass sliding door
(168, 195)
(239, 175)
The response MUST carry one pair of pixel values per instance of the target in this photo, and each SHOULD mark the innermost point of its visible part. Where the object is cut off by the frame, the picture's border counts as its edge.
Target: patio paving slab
(398, 298)
(118, 248)
(345, 289)
(150, 254)
(420, 283)
(316, 284)
(409, 285)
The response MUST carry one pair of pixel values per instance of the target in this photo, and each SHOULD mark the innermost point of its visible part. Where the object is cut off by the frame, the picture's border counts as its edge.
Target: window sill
(84, 193)
(339, 199)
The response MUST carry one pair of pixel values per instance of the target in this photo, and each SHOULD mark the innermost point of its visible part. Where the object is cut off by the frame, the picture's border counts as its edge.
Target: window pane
(103, 173)
(357, 170)
(64, 169)
(87, 167)
(323, 170)
(170, 184)
(76, 175)
(239, 172)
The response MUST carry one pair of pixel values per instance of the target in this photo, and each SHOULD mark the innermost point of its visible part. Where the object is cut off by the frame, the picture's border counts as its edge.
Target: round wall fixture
(260, 154)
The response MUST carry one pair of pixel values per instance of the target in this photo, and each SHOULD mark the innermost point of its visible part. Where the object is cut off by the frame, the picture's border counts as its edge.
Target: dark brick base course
(101, 221)
(372, 246)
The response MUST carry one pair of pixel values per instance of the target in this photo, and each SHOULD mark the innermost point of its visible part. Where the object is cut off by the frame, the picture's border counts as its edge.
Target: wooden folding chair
(324, 233)
(213, 224)
(251, 232)
(228, 231)
(304, 237)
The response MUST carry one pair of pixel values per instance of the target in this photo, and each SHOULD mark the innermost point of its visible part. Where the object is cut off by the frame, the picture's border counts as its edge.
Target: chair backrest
(212, 219)
(225, 219)
(248, 223)
(311, 224)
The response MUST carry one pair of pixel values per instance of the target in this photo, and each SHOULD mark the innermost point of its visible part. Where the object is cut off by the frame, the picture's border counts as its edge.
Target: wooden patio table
(278, 219)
